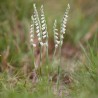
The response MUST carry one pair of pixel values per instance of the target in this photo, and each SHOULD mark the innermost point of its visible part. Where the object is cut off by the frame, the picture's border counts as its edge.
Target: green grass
(10, 87)
(86, 75)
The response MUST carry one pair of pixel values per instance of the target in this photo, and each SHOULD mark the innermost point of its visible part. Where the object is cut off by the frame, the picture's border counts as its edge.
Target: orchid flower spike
(55, 30)
(63, 24)
(32, 32)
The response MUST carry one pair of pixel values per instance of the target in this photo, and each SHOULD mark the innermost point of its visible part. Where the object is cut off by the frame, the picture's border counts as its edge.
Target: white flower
(42, 15)
(68, 6)
(34, 45)
(62, 36)
(37, 31)
(31, 35)
(66, 16)
(43, 25)
(43, 28)
(31, 40)
(42, 21)
(39, 39)
(31, 25)
(38, 34)
(64, 25)
(65, 20)
(42, 18)
(56, 37)
(56, 34)
(56, 45)
(44, 36)
(41, 43)
(44, 32)
(37, 27)
(58, 42)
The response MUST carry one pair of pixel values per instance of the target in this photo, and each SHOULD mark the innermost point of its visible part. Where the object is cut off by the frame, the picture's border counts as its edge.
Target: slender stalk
(33, 57)
(59, 68)
(54, 54)
(47, 56)
(40, 58)
(47, 59)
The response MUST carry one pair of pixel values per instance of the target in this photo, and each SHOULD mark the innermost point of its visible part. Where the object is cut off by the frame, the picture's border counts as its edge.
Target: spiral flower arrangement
(44, 27)
(40, 29)
(63, 25)
(62, 31)
(32, 32)
(58, 38)
(40, 26)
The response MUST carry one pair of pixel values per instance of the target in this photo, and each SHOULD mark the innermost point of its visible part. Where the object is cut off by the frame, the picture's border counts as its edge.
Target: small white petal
(65, 20)
(42, 18)
(36, 24)
(63, 29)
(56, 45)
(32, 17)
(34, 45)
(38, 34)
(44, 32)
(42, 15)
(42, 21)
(68, 6)
(63, 32)
(58, 42)
(62, 36)
(43, 28)
(66, 16)
(37, 31)
(31, 35)
(31, 40)
(39, 39)
(44, 36)
(56, 33)
(43, 25)
(56, 37)
(31, 25)
(41, 43)
(63, 25)
(37, 27)
(56, 29)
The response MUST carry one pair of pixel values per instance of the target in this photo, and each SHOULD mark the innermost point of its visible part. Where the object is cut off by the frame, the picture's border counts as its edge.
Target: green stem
(54, 54)
(47, 54)
(47, 59)
(59, 69)
(33, 57)
(40, 58)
